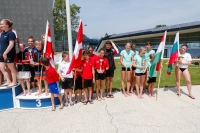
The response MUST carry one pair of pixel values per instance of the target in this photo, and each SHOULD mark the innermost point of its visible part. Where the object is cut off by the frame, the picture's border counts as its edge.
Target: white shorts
(24, 75)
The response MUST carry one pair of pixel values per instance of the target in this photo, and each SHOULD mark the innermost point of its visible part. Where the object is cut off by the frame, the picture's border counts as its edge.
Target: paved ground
(170, 114)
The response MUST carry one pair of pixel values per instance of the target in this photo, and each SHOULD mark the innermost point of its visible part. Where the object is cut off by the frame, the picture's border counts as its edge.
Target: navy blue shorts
(54, 88)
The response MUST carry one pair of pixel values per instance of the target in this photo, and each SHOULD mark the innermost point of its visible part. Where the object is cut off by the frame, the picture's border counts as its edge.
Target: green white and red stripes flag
(155, 66)
(174, 54)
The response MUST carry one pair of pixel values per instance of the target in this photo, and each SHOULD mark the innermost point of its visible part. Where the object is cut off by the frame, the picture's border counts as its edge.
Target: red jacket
(101, 63)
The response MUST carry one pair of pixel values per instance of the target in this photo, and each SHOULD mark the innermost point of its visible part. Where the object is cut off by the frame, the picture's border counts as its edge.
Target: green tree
(160, 25)
(60, 18)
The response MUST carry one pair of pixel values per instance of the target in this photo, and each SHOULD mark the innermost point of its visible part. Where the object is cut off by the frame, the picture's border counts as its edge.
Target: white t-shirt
(63, 68)
(187, 57)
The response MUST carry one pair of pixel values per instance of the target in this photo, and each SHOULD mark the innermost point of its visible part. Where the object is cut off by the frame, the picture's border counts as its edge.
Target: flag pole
(177, 67)
(69, 27)
(179, 80)
(44, 50)
(159, 80)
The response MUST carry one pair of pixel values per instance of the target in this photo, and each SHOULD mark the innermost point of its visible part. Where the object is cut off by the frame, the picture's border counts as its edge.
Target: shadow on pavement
(173, 89)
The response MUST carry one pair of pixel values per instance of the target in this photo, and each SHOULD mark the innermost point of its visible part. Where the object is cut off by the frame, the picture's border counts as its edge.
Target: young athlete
(183, 70)
(92, 58)
(147, 54)
(39, 69)
(78, 86)
(126, 58)
(88, 76)
(151, 80)
(141, 65)
(101, 65)
(32, 50)
(111, 50)
(22, 60)
(8, 52)
(67, 79)
(1, 74)
(53, 82)
(133, 47)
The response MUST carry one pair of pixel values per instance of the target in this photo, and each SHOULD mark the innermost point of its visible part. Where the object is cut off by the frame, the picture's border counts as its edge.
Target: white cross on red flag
(76, 57)
(48, 46)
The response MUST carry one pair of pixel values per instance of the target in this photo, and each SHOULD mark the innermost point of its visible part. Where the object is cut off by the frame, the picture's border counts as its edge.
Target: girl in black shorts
(141, 65)
(101, 65)
(151, 80)
(8, 52)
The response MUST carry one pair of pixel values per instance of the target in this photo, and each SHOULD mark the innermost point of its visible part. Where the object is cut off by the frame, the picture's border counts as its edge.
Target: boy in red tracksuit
(53, 82)
(101, 66)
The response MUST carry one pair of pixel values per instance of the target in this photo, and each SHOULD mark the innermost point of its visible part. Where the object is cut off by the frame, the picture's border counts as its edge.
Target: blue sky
(118, 16)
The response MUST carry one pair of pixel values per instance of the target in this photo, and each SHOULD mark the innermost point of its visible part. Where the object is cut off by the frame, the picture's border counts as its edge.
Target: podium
(35, 102)
(11, 98)
(7, 97)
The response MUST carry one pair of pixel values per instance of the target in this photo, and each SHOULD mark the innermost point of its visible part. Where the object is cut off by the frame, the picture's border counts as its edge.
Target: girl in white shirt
(182, 69)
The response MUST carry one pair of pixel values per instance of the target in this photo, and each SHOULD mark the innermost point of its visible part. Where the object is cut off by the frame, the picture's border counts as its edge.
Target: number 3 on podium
(38, 103)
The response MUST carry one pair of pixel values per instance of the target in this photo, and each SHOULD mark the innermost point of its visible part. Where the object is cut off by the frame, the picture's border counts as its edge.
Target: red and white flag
(48, 46)
(76, 57)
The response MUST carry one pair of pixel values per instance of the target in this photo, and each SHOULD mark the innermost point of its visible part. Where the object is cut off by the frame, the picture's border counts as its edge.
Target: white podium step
(35, 102)
(7, 97)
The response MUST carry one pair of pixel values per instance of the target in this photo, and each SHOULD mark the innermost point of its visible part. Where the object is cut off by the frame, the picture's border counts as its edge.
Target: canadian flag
(76, 57)
(48, 47)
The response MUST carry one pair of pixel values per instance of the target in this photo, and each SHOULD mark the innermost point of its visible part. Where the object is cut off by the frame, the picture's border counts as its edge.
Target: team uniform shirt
(36, 58)
(4, 43)
(33, 51)
(51, 75)
(187, 57)
(149, 66)
(63, 67)
(22, 60)
(87, 69)
(98, 62)
(93, 57)
(139, 62)
(109, 54)
(135, 52)
(127, 57)
(148, 53)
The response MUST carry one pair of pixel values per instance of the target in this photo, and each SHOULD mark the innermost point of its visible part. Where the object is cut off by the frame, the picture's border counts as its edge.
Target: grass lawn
(165, 81)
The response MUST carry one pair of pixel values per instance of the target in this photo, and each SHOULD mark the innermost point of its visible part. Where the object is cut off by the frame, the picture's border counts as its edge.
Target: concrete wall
(29, 17)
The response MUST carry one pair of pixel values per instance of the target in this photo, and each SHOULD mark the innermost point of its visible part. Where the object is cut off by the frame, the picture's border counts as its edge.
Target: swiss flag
(48, 47)
(76, 58)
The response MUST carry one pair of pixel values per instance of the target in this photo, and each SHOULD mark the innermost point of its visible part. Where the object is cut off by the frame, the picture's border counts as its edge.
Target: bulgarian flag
(174, 54)
(159, 55)
(48, 46)
(76, 58)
